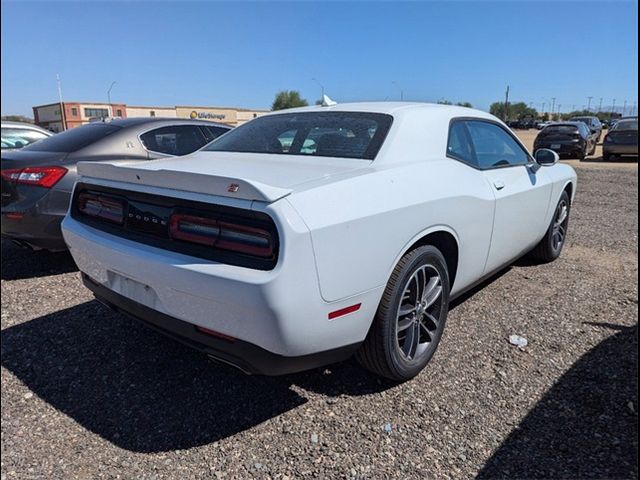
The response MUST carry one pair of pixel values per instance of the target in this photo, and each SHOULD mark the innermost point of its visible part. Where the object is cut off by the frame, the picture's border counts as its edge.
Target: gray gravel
(87, 393)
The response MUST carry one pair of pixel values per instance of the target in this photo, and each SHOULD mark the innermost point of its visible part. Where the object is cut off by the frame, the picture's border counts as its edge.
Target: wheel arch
(444, 239)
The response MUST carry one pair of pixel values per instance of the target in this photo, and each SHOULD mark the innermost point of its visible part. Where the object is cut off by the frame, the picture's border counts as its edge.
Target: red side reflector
(213, 333)
(14, 215)
(344, 311)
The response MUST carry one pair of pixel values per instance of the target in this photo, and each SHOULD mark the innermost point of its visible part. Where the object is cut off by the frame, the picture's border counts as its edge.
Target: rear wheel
(551, 245)
(410, 318)
(606, 157)
(582, 154)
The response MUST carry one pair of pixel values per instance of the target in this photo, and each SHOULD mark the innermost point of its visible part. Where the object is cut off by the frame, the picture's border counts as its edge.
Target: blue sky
(241, 53)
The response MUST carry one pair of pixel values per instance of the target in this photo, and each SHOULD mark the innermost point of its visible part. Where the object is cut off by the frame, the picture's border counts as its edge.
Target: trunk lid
(248, 176)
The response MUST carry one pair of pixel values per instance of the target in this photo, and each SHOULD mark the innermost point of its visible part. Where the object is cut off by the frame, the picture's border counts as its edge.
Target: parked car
(18, 134)
(353, 241)
(568, 139)
(622, 139)
(541, 124)
(37, 180)
(593, 123)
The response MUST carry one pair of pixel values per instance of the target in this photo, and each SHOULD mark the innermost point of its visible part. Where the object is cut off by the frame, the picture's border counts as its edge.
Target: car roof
(138, 121)
(396, 109)
(24, 125)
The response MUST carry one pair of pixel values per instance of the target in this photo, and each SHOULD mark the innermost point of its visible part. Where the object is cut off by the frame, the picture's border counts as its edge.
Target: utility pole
(109, 98)
(506, 105)
(543, 104)
(624, 108)
(600, 106)
(62, 115)
(589, 104)
(613, 107)
(553, 106)
(635, 104)
(401, 90)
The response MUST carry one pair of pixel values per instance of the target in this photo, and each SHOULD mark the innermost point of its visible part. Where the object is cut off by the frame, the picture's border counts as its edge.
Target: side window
(494, 147)
(211, 133)
(459, 145)
(175, 140)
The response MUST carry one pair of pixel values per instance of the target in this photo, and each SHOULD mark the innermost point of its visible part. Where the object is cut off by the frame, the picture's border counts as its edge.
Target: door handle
(499, 184)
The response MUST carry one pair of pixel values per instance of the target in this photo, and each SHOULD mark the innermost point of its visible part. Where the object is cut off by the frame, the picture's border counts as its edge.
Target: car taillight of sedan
(45, 177)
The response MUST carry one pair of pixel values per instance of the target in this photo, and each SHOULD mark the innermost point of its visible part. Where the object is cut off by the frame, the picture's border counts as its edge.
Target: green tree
(17, 118)
(517, 110)
(464, 104)
(288, 99)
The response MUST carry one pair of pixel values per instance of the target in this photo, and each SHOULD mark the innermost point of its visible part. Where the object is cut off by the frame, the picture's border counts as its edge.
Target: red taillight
(222, 234)
(99, 206)
(45, 177)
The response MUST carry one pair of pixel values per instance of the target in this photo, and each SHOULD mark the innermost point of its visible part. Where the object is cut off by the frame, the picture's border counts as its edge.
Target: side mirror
(546, 158)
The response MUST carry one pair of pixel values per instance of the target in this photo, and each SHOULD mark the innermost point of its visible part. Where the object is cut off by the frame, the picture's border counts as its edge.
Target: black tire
(382, 352)
(582, 154)
(549, 249)
(606, 157)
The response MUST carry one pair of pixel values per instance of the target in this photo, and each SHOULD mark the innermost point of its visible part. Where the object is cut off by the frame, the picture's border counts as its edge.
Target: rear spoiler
(242, 188)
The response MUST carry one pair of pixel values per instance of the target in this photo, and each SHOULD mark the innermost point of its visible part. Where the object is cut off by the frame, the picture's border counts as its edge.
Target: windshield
(561, 129)
(20, 137)
(74, 139)
(626, 125)
(321, 134)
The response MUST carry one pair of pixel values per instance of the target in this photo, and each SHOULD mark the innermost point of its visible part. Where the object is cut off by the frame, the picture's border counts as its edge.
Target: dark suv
(593, 123)
(568, 139)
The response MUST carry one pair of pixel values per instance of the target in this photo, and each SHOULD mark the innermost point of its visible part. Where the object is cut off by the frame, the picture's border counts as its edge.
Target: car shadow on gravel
(20, 263)
(147, 393)
(586, 425)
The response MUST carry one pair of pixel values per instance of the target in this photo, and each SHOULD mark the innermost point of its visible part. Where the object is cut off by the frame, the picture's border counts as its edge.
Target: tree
(17, 118)
(464, 104)
(288, 99)
(518, 110)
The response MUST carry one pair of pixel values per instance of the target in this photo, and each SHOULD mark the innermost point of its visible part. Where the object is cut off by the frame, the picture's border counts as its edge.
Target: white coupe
(308, 235)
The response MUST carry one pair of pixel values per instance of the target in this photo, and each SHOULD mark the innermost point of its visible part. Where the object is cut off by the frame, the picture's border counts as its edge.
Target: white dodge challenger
(308, 235)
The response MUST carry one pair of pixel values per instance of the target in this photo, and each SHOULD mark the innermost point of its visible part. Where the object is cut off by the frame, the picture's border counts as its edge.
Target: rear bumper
(243, 355)
(280, 311)
(564, 149)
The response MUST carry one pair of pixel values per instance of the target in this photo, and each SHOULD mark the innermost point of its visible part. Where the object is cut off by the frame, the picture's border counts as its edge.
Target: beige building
(61, 116)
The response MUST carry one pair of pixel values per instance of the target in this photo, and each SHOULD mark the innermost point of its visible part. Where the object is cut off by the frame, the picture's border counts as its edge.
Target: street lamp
(109, 98)
(400, 88)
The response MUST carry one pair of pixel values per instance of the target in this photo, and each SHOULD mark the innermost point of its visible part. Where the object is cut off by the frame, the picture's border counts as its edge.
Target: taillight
(100, 206)
(223, 234)
(45, 177)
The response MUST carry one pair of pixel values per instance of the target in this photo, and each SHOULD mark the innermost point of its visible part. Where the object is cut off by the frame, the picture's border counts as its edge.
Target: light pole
(401, 91)
(109, 98)
(321, 87)
(613, 107)
(600, 106)
(589, 104)
(624, 108)
(553, 105)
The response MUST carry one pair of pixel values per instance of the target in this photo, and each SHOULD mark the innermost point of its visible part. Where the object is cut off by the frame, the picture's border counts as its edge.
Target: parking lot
(89, 393)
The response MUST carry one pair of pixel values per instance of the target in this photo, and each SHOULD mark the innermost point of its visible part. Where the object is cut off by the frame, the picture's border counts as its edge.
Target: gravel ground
(88, 393)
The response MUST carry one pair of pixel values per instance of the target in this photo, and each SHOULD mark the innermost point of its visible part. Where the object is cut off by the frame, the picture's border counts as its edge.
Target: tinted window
(20, 137)
(74, 139)
(459, 145)
(211, 133)
(322, 134)
(621, 125)
(494, 147)
(584, 130)
(96, 112)
(174, 140)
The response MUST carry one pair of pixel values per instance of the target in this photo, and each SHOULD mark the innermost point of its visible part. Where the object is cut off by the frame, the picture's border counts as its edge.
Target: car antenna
(327, 102)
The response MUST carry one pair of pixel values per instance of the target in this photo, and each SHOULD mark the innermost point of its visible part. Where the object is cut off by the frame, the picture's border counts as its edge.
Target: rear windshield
(321, 134)
(74, 139)
(561, 129)
(626, 125)
(587, 120)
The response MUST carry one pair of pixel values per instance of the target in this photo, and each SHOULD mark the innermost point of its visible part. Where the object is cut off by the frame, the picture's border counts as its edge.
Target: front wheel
(551, 245)
(410, 318)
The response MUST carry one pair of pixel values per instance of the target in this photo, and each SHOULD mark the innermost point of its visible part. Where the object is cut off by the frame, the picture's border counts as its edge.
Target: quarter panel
(361, 226)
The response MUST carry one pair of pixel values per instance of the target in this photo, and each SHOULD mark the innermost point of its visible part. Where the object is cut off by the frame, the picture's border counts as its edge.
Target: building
(61, 116)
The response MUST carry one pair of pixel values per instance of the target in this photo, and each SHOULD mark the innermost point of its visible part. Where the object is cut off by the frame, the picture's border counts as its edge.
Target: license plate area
(132, 289)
